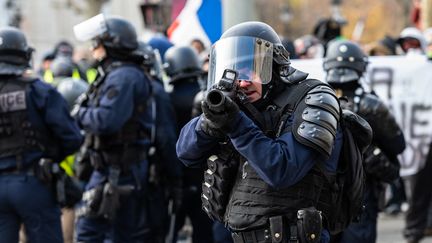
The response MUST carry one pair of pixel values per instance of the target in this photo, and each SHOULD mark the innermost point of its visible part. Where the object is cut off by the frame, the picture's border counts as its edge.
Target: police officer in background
(345, 64)
(165, 175)
(35, 130)
(70, 89)
(262, 157)
(115, 119)
(184, 68)
(182, 65)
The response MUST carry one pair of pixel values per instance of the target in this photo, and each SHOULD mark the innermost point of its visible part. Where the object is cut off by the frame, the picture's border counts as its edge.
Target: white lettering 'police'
(13, 101)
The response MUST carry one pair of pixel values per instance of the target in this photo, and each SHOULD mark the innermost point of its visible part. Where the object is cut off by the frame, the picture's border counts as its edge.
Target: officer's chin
(254, 97)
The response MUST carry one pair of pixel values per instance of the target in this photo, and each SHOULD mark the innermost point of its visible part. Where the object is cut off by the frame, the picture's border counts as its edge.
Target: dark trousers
(26, 200)
(201, 223)
(221, 234)
(131, 223)
(364, 231)
(419, 201)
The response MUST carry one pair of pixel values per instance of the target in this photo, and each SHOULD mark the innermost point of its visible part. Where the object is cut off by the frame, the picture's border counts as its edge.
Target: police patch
(112, 93)
(13, 101)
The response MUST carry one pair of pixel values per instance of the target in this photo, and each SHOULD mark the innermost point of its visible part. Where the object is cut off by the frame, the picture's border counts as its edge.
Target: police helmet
(71, 89)
(148, 54)
(112, 32)
(15, 54)
(182, 61)
(261, 31)
(161, 43)
(62, 67)
(252, 49)
(64, 48)
(344, 62)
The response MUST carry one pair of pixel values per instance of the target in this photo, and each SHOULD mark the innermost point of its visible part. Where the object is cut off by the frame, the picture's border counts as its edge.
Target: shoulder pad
(316, 119)
(323, 97)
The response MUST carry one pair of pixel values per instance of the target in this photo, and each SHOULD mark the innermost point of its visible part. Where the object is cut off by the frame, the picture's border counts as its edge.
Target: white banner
(405, 84)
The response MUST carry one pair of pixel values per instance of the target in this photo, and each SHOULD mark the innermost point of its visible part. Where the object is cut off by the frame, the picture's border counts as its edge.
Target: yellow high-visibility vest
(91, 74)
(67, 164)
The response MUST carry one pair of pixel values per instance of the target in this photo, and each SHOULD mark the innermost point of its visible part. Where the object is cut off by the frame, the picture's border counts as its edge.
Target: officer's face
(252, 89)
(98, 52)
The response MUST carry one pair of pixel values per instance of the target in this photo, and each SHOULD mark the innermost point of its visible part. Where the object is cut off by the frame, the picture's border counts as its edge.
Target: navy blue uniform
(23, 197)
(166, 135)
(279, 162)
(123, 89)
(168, 171)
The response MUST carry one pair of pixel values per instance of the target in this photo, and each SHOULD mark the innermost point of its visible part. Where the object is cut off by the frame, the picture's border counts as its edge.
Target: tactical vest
(252, 201)
(17, 134)
(119, 146)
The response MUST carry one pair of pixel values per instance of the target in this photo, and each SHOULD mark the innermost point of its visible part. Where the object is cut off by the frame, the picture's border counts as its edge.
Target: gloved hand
(208, 128)
(219, 122)
(380, 167)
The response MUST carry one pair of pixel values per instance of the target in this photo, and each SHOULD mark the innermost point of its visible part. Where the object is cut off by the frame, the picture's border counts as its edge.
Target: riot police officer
(165, 182)
(115, 119)
(261, 153)
(35, 128)
(184, 68)
(70, 89)
(345, 64)
(182, 65)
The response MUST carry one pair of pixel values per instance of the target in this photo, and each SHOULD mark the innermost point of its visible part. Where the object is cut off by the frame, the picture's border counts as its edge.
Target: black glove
(380, 167)
(219, 122)
(208, 128)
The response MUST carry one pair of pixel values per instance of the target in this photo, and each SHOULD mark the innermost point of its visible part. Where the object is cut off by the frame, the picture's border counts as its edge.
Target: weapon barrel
(216, 99)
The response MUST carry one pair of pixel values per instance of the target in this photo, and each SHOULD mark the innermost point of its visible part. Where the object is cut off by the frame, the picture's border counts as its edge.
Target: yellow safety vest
(67, 164)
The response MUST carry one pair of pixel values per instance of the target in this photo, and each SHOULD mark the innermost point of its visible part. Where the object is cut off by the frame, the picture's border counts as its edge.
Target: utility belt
(122, 157)
(103, 200)
(305, 227)
(66, 191)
